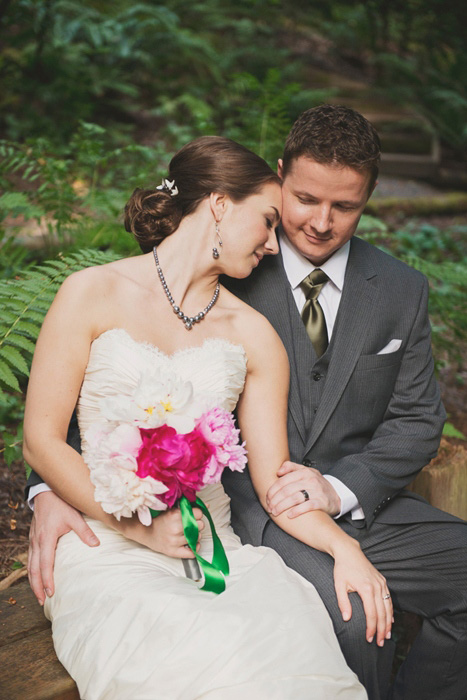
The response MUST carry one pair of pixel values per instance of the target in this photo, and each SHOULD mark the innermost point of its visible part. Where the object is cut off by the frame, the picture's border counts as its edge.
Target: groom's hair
(334, 135)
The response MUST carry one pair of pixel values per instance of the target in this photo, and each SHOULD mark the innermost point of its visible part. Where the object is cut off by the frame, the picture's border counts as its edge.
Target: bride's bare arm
(57, 372)
(262, 415)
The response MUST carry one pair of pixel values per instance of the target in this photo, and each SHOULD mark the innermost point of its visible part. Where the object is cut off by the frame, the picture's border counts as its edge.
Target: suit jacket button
(317, 376)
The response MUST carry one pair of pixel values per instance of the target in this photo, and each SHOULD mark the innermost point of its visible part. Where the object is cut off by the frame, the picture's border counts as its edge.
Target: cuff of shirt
(349, 501)
(34, 491)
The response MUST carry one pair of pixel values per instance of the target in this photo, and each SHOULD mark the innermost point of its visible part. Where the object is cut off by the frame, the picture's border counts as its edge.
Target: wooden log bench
(443, 482)
(29, 668)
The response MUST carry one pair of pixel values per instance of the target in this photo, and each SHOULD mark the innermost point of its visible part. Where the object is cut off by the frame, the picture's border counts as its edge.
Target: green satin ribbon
(215, 571)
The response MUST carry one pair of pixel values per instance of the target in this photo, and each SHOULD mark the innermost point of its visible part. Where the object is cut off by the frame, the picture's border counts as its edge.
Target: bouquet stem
(215, 571)
(192, 570)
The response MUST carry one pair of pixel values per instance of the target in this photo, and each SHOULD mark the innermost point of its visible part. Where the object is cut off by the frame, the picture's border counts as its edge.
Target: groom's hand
(52, 518)
(286, 493)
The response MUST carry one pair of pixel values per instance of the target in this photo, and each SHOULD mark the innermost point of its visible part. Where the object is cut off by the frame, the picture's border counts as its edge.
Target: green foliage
(450, 431)
(437, 91)
(448, 291)
(11, 426)
(429, 242)
(168, 69)
(17, 204)
(414, 51)
(440, 254)
(12, 445)
(73, 61)
(260, 112)
(119, 64)
(371, 228)
(25, 302)
(69, 190)
(12, 257)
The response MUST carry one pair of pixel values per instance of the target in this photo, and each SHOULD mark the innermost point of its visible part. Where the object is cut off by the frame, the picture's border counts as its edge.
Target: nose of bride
(271, 247)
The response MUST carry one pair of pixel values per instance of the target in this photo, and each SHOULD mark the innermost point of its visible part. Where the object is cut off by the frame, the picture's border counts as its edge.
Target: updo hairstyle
(207, 164)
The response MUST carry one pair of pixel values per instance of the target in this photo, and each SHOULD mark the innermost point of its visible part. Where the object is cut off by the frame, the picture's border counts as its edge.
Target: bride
(126, 621)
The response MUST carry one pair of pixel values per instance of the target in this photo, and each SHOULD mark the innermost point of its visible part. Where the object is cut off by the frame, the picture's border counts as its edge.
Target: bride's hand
(165, 534)
(354, 572)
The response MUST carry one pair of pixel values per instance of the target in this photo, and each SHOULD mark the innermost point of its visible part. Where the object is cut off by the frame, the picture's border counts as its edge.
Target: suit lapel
(269, 292)
(359, 301)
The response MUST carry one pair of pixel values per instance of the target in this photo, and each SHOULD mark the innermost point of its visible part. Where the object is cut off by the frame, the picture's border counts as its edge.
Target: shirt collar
(297, 267)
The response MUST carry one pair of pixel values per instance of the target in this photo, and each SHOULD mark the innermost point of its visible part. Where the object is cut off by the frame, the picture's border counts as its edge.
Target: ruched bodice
(216, 368)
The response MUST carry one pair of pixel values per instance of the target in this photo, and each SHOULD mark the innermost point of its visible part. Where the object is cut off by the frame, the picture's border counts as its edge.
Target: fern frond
(15, 358)
(20, 341)
(7, 377)
(24, 303)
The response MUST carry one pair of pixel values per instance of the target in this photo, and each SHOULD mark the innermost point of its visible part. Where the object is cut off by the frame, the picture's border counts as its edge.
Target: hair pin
(168, 186)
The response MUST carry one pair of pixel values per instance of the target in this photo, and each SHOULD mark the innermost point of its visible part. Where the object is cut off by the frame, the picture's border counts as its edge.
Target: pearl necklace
(187, 320)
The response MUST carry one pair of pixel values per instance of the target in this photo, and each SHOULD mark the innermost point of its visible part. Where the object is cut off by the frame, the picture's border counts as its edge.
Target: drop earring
(215, 252)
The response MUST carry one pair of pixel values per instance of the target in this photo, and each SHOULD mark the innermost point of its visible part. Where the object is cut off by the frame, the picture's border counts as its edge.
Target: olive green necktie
(312, 313)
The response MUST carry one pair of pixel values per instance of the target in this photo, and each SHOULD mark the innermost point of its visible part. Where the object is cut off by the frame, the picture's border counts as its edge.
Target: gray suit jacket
(371, 420)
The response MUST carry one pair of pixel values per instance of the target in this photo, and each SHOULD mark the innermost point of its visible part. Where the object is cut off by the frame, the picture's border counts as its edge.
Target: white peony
(121, 493)
(110, 454)
(158, 399)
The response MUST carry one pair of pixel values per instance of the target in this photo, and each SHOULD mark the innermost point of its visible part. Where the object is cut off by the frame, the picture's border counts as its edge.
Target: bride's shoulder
(253, 330)
(99, 278)
(240, 309)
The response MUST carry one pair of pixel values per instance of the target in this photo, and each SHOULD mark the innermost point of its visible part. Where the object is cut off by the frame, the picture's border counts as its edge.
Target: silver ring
(385, 597)
(305, 494)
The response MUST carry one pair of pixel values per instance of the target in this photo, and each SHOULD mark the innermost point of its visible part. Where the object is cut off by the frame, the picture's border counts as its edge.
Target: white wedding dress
(128, 625)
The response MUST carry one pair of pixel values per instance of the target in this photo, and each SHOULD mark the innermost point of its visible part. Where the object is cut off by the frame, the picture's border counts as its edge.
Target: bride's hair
(207, 164)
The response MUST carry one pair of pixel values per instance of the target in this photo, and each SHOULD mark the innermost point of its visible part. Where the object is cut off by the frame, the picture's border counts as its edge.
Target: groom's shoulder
(267, 270)
(383, 263)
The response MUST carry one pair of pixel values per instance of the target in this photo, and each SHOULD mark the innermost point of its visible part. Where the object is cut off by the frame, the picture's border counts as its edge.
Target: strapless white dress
(128, 625)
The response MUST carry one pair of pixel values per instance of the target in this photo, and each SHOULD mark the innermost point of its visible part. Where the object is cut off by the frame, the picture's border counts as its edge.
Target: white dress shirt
(297, 268)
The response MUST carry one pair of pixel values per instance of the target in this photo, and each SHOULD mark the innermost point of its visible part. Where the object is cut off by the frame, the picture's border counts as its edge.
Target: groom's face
(321, 206)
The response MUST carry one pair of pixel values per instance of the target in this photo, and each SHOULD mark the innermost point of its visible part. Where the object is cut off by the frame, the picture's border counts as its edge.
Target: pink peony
(178, 461)
(218, 427)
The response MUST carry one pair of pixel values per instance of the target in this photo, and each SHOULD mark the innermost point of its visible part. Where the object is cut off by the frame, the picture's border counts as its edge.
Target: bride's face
(248, 230)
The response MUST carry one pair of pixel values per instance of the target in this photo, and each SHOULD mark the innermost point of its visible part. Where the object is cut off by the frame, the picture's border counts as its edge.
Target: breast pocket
(373, 381)
(374, 362)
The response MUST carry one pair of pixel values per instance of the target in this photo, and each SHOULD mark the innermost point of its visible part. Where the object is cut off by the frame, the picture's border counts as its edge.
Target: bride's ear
(218, 203)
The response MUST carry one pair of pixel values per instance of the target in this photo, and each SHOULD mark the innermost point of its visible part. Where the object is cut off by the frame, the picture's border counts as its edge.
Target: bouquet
(156, 448)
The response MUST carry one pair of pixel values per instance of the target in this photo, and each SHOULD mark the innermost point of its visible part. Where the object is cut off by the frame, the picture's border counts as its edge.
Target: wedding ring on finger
(306, 495)
(385, 597)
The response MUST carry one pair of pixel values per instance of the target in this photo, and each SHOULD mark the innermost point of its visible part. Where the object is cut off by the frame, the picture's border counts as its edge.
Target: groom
(364, 415)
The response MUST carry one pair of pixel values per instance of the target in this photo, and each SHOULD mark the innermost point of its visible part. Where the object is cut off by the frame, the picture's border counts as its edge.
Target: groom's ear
(280, 168)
